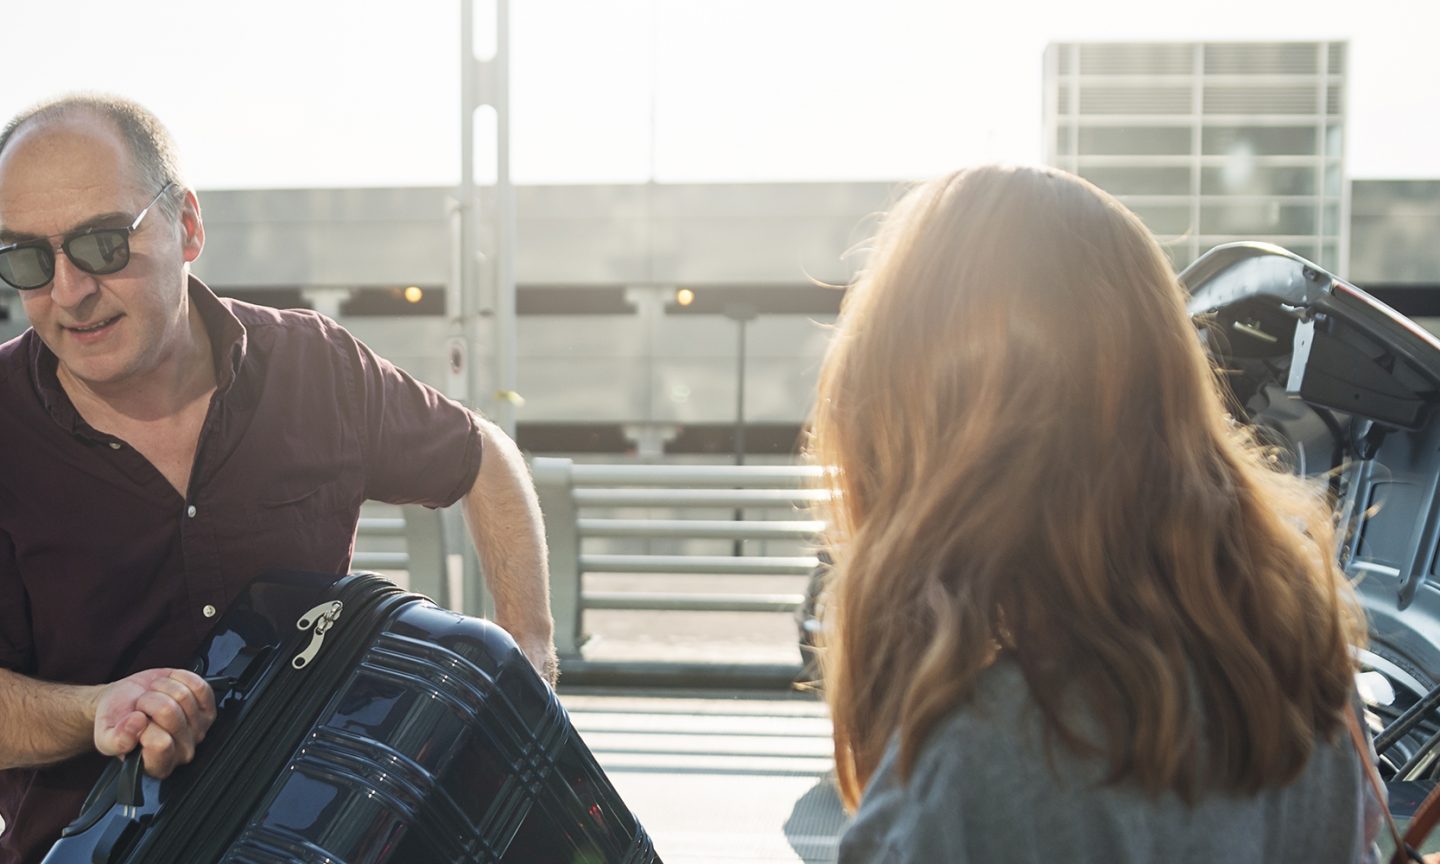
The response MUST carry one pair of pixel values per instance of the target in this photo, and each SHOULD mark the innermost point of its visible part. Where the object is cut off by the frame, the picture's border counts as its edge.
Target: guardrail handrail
(698, 498)
(748, 476)
(566, 488)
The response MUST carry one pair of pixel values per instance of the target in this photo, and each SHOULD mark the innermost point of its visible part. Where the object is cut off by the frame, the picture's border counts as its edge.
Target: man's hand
(166, 712)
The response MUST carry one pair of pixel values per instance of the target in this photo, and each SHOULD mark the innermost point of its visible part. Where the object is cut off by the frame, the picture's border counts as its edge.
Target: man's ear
(192, 227)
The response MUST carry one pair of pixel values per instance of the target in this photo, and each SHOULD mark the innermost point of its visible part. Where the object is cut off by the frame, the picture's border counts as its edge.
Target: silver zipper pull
(321, 618)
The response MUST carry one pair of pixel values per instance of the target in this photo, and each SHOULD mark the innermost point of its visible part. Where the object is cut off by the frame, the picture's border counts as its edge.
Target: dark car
(1346, 388)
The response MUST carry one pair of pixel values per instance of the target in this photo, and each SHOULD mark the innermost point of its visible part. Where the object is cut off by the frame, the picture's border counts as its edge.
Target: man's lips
(95, 327)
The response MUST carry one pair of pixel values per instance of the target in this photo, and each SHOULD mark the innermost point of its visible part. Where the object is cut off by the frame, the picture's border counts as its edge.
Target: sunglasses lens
(99, 251)
(26, 267)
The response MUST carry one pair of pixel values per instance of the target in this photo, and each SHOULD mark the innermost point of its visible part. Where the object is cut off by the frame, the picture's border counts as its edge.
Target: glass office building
(1209, 142)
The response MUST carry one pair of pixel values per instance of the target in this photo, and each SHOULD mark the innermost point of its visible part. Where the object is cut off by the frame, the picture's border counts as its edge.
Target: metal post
(554, 480)
(470, 301)
(488, 83)
(490, 391)
(740, 313)
(740, 394)
(425, 546)
(506, 391)
(464, 348)
(738, 547)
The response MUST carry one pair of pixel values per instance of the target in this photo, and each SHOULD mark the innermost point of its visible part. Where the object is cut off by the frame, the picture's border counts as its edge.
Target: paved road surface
(718, 777)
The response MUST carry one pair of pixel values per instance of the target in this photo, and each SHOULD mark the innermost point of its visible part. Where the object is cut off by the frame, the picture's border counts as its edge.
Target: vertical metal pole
(740, 394)
(739, 547)
(492, 390)
(507, 387)
(488, 83)
(470, 302)
(465, 351)
(554, 483)
(740, 313)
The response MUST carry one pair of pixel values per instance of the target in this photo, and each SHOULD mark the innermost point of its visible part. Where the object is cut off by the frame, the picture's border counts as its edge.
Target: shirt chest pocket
(303, 499)
(304, 522)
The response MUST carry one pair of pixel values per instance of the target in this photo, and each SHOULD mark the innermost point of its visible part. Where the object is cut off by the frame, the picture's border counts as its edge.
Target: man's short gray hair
(149, 142)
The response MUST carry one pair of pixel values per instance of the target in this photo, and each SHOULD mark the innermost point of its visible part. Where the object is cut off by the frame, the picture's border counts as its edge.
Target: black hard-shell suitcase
(358, 723)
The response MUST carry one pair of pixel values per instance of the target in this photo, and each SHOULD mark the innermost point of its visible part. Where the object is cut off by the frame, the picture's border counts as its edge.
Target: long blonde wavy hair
(1031, 457)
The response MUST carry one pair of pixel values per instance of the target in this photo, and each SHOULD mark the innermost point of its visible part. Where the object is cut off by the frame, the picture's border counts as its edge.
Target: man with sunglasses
(160, 446)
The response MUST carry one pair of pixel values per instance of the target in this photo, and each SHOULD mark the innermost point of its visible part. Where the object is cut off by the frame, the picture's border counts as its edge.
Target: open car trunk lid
(1346, 388)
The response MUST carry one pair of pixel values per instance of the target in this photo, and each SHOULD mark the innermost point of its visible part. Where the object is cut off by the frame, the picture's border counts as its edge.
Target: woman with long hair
(1076, 614)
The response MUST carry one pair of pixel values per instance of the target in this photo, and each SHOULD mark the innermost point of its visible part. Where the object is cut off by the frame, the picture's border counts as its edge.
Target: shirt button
(208, 611)
(190, 511)
(114, 445)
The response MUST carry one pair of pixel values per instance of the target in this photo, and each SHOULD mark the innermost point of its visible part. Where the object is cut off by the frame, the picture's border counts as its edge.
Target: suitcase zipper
(319, 620)
(220, 802)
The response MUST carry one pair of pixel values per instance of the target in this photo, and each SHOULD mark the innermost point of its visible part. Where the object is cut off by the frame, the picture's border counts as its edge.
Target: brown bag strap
(1403, 852)
(1426, 815)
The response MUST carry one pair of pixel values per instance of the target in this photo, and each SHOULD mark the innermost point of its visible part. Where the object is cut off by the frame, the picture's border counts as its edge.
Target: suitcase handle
(128, 794)
(129, 790)
(129, 783)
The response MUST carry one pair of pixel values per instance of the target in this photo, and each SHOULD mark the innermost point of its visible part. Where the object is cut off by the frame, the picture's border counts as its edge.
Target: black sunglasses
(30, 264)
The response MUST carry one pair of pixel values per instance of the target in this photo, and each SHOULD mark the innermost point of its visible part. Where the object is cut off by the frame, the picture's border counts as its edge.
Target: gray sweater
(982, 791)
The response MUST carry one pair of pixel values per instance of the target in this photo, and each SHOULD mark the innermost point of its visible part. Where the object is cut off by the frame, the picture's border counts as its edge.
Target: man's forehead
(61, 171)
(72, 143)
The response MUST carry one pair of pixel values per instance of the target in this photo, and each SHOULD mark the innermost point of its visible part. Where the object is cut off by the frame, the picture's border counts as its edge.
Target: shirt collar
(228, 345)
(228, 339)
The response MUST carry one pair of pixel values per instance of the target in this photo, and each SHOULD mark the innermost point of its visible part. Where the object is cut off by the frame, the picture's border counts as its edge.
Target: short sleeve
(16, 642)
(420, 447)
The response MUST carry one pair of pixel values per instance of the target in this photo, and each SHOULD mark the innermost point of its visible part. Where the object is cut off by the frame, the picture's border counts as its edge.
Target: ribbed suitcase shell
(415, 735)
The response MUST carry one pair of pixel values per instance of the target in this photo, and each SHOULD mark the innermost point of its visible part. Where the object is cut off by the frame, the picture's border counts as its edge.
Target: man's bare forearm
(43, 723)
(504, 518)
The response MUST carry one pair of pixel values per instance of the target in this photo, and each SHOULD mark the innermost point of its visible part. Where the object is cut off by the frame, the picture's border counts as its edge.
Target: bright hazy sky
(272, 93)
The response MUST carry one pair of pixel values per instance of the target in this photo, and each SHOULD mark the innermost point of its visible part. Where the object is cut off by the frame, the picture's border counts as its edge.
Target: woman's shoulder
(974, 749)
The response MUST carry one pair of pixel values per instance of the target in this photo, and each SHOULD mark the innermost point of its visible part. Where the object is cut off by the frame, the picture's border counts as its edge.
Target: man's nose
(71, 285)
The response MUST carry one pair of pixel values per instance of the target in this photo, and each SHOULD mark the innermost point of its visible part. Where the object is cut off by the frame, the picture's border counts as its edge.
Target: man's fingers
(121, 738)
(131, 728)
(164, 712)
(194, 715)
(203, 695)
(162, 751)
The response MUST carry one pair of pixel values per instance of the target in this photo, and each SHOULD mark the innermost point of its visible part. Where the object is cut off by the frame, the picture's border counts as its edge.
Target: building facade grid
(1209, 142)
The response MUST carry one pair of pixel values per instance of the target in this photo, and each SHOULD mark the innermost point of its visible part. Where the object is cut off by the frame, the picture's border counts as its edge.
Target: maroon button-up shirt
(106, 570)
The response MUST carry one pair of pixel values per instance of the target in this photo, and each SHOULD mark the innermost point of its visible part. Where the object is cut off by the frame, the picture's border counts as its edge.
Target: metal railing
(411, 542)
(579, 502)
